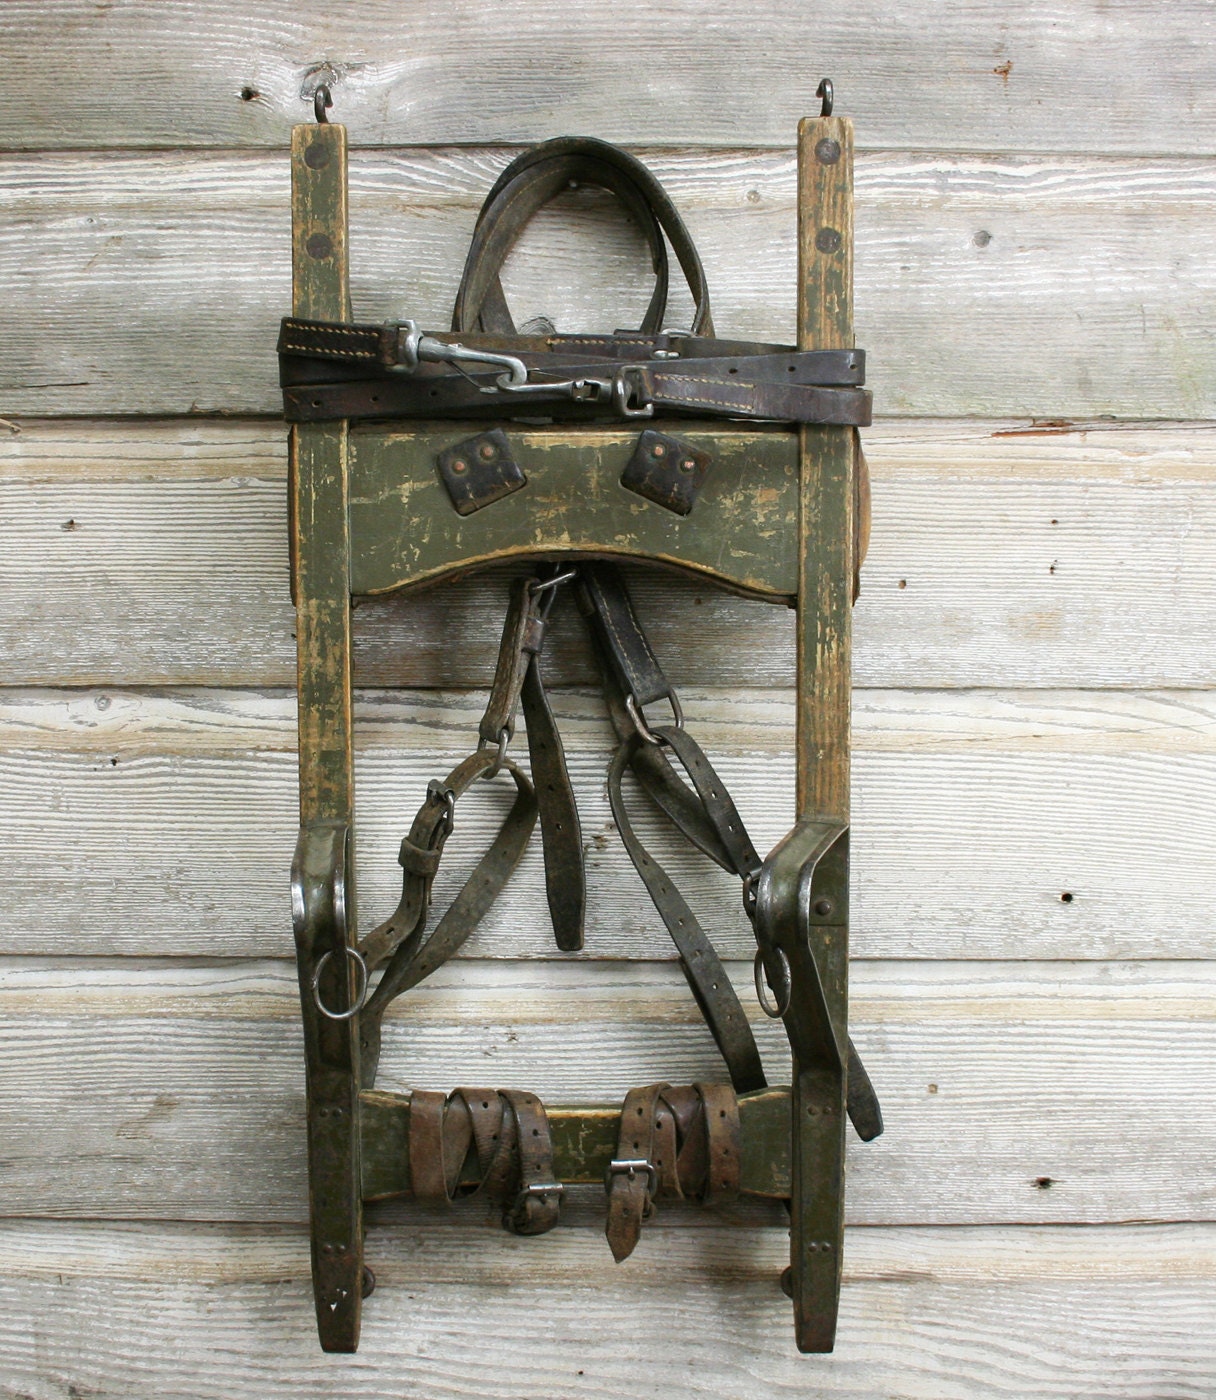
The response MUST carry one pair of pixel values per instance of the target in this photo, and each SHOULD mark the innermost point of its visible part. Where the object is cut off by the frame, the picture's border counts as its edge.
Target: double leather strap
(485, 368)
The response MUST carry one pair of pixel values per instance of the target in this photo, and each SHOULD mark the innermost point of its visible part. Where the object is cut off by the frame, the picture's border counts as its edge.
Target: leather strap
(400, 938)
(677, 1142)
(702, 968)
(710, 387)
(529, 182)
(632, 1176)
(508, 1131)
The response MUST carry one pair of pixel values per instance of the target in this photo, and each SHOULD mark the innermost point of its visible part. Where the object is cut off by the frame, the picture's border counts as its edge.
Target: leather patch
(666, 471)
(479, 471)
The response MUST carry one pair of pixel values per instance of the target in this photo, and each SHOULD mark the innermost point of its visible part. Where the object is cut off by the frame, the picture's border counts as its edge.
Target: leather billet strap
(508, 1133)
(681, 1142)
(517, 678)
(808, 386)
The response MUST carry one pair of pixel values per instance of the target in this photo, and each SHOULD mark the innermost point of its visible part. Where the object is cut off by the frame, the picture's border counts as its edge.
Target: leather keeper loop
(419, 860)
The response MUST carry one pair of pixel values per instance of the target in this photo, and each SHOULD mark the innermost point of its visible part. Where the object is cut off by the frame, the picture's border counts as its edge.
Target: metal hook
(824, 90)
(321, 99)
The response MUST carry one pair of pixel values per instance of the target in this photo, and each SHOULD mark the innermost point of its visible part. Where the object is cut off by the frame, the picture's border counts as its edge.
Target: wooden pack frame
(354, 532)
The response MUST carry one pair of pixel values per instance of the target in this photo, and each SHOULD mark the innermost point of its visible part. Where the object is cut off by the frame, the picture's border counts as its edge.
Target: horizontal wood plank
(1039, 285)
(1002, 555)
(154, 1311)
(206, 73)
(986, 825)
(1021, 1092)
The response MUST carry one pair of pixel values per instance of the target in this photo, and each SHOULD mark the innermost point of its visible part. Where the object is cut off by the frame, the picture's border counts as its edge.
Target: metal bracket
(331, 1056)
(802, 913)
(479, 471)
(666, 471)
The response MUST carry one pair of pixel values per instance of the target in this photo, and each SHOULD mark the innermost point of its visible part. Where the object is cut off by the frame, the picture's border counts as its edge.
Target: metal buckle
(623, 392)
(538, 1188)
(436, 791)
(630, 1166)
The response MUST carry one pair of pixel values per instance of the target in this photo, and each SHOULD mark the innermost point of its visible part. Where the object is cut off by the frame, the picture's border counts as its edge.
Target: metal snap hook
(760, 976)
(360, 998)
(321, 100)
(824, 90)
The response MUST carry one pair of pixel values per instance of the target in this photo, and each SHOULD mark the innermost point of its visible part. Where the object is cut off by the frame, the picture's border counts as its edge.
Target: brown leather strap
(428, 1178)
(632, 1175)
(508, 1131)
(400, 939)
(538, 1199)
(720, 1113)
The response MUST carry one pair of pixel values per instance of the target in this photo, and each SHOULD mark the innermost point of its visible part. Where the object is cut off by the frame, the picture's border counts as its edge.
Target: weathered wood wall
(1035, 717)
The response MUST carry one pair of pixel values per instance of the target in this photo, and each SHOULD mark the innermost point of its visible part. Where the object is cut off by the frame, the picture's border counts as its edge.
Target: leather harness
(676, 1142)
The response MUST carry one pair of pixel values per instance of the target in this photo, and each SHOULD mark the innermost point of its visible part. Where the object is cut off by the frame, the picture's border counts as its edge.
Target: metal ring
(758, 968)
(824, 90)
(634, 711)
(320, 101)
(504, 738)
(360, 999)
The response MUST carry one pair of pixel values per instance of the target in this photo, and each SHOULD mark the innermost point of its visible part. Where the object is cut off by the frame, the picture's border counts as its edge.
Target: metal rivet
(319, 246)
(827, 151)
(687, 464)
(827, 240)
(460, 465)
(823, 907)
(658, 450)
(486, 451)
(811, 1110)
(317, 155)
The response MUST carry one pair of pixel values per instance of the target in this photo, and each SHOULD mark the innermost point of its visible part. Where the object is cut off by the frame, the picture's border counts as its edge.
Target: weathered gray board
(1034, 646)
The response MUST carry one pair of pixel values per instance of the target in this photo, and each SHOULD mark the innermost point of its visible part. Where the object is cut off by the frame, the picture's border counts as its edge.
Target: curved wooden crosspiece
(802, 922)
(741, 532)
(328, 996)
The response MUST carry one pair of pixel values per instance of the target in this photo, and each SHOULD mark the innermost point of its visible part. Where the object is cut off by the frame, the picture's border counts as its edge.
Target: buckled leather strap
(400, 937)
(632, 1175)
(509, 1133)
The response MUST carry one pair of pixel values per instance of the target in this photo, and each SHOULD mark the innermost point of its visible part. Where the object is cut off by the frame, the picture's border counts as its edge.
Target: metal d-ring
(360, 999)
(824, 90)
(760, 976)
(634, 711)
(500, 758)
(321, 99)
